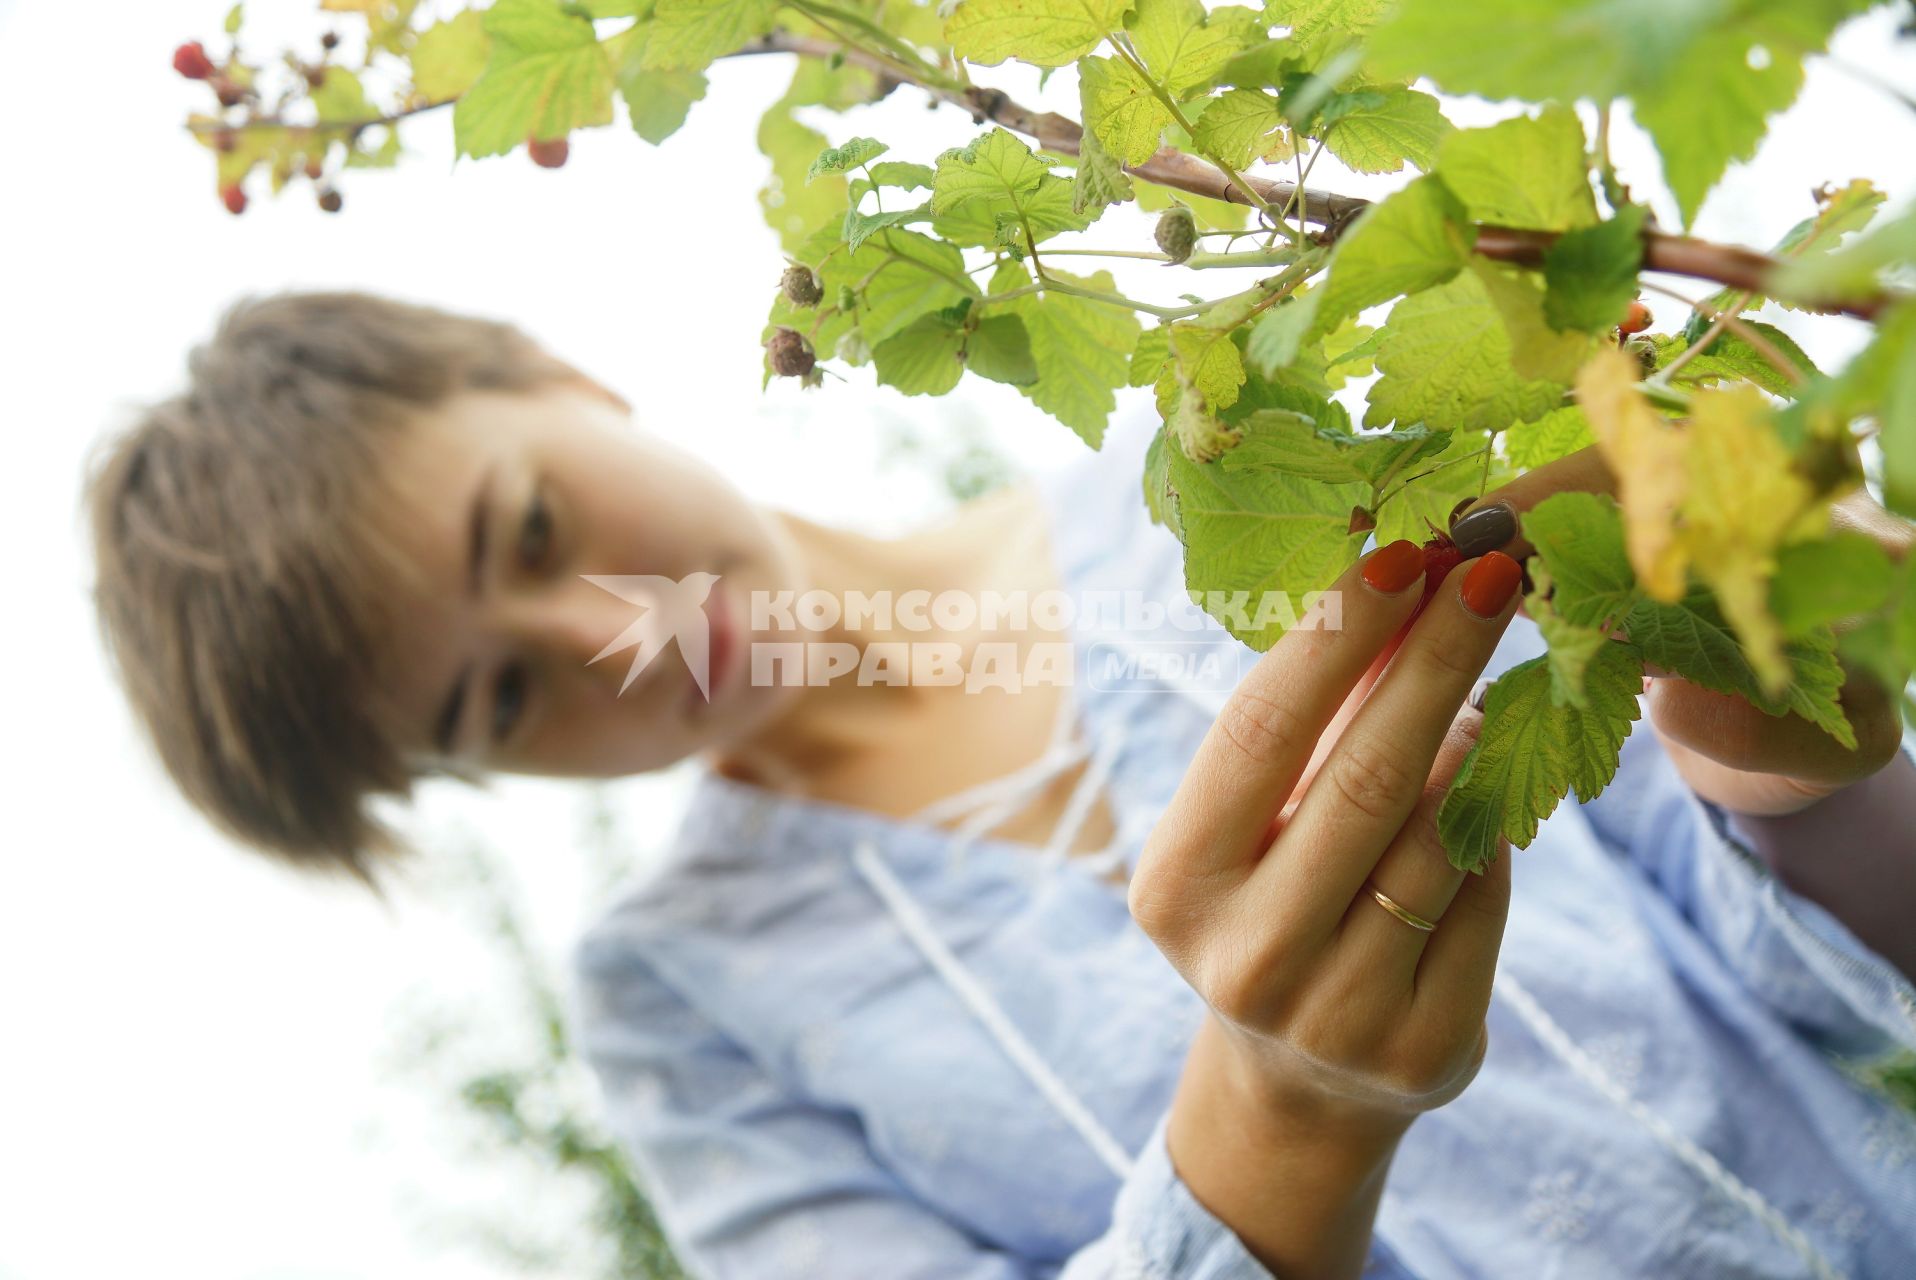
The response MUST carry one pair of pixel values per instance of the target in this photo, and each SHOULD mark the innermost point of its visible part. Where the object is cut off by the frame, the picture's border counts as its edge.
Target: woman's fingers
(1374, 776)
(1251, 758)
(1459, 962)
(1491, 523)
(1415, 873)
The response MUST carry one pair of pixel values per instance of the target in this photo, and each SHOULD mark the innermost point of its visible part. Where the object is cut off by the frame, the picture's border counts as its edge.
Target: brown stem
(1728, 265)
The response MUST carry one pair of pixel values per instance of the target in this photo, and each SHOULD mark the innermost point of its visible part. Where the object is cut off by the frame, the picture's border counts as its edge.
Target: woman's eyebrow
(446, 724)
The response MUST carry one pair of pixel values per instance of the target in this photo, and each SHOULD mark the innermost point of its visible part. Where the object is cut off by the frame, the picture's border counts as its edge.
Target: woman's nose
(574, 623)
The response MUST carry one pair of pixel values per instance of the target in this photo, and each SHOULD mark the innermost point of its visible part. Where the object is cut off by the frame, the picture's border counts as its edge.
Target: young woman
(1132, 974)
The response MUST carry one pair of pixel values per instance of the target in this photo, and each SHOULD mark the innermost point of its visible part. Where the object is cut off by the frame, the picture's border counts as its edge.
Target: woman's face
(507, 499)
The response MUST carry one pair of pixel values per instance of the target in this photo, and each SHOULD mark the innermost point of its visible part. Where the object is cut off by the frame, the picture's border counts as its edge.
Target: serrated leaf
(546, 75)
(1212, 215)
(1646, 456)
(1158, 499)
(1591, 273)
(1044, 33)
(689, 34)
(1210, 360)
(922, 359)
(1258, 532)
(1579, 539)
(1289, 441)
(1467, 468)
(1557, 434)
(1537, 351)
(340, 96)
(1280, 332)
(1148, 357)
(860, 227)
(794, 207)
(1731, 358)
(1572, 648)
(897, 277)
(996, 179)
(1120, 109)
(1532, 751)
(1080, 347)
(999, 348)
(1238, 126)
(1411, 240)
(1308, 18)
(1378, 138)
(657, 101)
(901, 174)
(1445, 360)
(449, 56)
(1523, 172)
(1839, 212)
(855, 152)
(1099, 179)
(1818, 583)
(1183, 45)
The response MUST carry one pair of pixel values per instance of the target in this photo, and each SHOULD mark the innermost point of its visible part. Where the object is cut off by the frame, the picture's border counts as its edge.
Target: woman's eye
(508, 699)
(535, 533)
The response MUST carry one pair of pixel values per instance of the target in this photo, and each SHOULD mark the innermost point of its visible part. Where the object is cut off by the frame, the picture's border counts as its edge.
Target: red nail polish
(1491, 582)
(1390, 569)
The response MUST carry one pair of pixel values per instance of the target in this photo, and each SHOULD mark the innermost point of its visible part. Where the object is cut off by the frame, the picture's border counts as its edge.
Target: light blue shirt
(845, 1046)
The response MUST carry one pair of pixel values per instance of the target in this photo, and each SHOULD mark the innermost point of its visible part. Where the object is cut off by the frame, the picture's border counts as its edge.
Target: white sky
(188, 1037)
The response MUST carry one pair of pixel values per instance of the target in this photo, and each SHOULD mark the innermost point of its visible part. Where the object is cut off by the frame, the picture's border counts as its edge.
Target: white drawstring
(974, 996)
(1078, 807)
(1707, 1166)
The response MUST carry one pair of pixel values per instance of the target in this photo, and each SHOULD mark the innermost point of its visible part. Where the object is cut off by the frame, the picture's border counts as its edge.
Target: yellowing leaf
(1045, 33)
(1646, 455)
(1120, 109)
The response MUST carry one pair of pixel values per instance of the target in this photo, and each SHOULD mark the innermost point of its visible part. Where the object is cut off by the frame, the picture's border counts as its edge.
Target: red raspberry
(1440, 557)
(233, 197)
(1636, 320)
(190, 60)
(549, 154)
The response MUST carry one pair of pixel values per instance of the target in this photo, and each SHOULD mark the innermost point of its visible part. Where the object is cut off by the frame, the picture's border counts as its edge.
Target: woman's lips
(718, 621)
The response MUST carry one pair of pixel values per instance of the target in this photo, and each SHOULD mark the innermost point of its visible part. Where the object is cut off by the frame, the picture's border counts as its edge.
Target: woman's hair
(242, 589)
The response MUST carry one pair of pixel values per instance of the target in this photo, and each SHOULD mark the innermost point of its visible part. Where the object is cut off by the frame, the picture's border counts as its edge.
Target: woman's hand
(1730, 753)
(1335, 1021)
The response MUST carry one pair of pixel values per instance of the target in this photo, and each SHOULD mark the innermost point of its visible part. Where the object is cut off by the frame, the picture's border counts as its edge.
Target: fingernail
(1484, 529)
(1491, 582)
(1478, 692)
(1462, 505)
(1392, 568)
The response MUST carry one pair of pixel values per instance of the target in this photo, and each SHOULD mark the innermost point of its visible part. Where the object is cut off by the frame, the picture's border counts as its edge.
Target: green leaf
(450, 55)
(547, 75)
(1445, 360)
(1212, 215)
(1280, 332)
(1260, 532)
(1447, 478)
(1818, 583)
(689, 34)
(340, 96)
(1557, 434)
(923, 358)
(234, 17)
(1537, 351)
(897, 276)
(1403, 125)
(1839, 211)
(1523, 172)
(1411, 240)
(1730, 357)
(1158, 499)
(1308, 18)
(1044, 33)
(1571, 648)
(1099, 179)
(838, 159)
(1238, 127)
(1579, 539)
(656, 101)
(1211, 361)
(995, 180)
(1120, 109)
(1148, 357)
(1883, 378)
(901, 174)
(1287, 441)
(1591, 273)
(794, 206)
(860, 227)
(1079, 346)
(1533, 751)
(999, 348)
(1184, 46)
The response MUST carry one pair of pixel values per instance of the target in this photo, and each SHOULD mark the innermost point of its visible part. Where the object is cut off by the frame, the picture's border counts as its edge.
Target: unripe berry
(800, 286)
(233, 196)
(548, 154)
(190, 60)
(1177, 233)
(1636, 320)
(790, 355)
(1440, 557)
(331, 201)
(1645, 352)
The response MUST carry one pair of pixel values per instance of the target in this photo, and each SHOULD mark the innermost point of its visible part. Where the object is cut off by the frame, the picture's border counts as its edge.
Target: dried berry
(233, 196)
(1636, 320)
(225, 140)
(1177, 233)
(229, 93)
(315, 168)
(790, 355)
(800, 286)
(549, 153)
(315, 76)
(1646, 353)
(190, 60)
(329, 41)
(331, 201)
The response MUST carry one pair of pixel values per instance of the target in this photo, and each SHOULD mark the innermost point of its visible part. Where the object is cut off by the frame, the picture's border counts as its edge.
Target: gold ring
(1410, 918)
